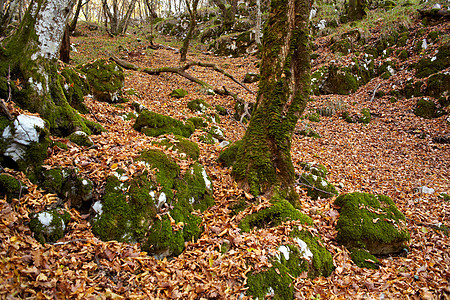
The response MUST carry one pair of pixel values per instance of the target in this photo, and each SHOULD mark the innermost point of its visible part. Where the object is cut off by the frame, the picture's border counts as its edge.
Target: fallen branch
(6, 110)
(374, 92)
(181, 70)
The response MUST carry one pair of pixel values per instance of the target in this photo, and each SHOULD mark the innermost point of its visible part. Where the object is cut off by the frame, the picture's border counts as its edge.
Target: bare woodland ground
(386, 156)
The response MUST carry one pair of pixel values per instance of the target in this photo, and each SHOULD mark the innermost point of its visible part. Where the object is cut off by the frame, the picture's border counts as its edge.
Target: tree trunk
(123, 25)
(263, 163)
(64, 52)
(192, 24)
(31, 54)
(258, 23)
(73, 24)
(356, 9)
(228, 14)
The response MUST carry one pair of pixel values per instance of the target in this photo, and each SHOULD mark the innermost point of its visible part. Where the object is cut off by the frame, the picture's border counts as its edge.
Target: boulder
(155, 207)
(49, 226)
(251, 77)
(77, 189)
(315, 182)
(371, 222)
(24, 143)
(105, 79)
(178, 93)
(183, 146)
(11, 187)
(153, 124)
(198, 106)
(339, 80)
(80, 138)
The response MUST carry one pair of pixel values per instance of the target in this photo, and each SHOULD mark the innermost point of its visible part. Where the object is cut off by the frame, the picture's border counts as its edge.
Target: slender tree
(192, 23)
(263, 162)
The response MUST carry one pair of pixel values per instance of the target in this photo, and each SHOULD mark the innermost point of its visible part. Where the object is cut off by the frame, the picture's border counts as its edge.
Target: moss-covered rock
(208, 138)
(317, 186)
(412, 89)
(77, 189)
(425, 108)
(221, 110)
(363, 259)
(216, 132)
(438, 86)
(105, 78)
(235, 44)
(315, 169)
(11, 187)
(49, 226)
(80, 138)
(198, 122)
(281, 211)
(251, 77)
(52, 180)
(182, 145)
(313, 117)
(371, 222)
(228, 156)
(303, 254)
(198, 105)
(75, 87)
(430, 65)
(365, 117)
(24, 143)
(178, 93)
(339, 81)
(153, 124)
(128, 210)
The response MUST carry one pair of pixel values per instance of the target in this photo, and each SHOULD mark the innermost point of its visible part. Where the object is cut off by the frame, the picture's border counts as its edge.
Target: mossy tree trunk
(263, 164)
(228, 14)
(356, 9)
(192, 23)
(30, 57)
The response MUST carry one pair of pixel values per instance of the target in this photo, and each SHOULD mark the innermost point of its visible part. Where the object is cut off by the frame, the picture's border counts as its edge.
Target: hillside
(396, 153)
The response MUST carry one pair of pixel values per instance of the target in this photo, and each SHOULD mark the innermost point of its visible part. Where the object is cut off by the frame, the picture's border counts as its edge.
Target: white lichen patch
(24, 133)
(161, 199)
(152, 194)
(45, 218)
(206, 179)
(191, 200)
(285, 251)
(304, 250)
(84, 182)
(98, 207)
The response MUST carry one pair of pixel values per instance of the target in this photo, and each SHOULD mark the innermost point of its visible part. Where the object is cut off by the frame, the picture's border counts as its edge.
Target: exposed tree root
(181, 70)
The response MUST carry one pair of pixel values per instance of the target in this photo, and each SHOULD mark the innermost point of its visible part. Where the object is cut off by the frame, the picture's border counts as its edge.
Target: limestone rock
(49, 226)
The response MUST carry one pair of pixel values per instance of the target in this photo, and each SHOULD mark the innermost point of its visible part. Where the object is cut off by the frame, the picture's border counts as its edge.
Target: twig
(68, 242)
(374, 91)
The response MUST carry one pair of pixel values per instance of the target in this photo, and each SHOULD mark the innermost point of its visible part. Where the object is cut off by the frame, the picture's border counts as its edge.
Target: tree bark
(64, 52)
(356, 9)
(192, 23)
(258, 23)
(31, 54)
(263, 164)
(228, 14)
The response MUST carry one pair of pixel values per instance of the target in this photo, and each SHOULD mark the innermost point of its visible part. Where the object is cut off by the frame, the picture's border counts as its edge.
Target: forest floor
(392, 155)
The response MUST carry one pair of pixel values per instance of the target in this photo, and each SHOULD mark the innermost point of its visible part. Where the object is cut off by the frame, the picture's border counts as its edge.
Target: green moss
(75, 87)
(315, 169)
(370, 222)
(60, 145)
(363, 259)
(228, 156)
(51, 180)
(221, 110)
(425, 109)
(403, 54)
(178, 93)
(77, 189)
(281, 211)
(198, 122)
(365, 116)
(208, 139)
(413, 89)
(238, 206)
(445, 196)
(430, 65)
(317, 186)
(168, 170)
(433, 36)
(403, 39)
(105, 78)
(198, 105)
(340, 81)
(52, 231)
(438, 85)
(153, 124)
(10, 187)
(309, 133)
(80, 138)
(93, 127)
(314, 117)
(182, 145)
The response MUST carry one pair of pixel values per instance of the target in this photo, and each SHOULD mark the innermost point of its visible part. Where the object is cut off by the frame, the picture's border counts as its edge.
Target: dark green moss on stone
(10, 187)
(363, 259)
(49, 226)
(153, 124)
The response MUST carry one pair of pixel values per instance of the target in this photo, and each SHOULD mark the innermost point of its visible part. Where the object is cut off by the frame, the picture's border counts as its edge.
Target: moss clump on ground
(339, 81)
(438, 86)
(363, 259)
(317, 186)
(304, 254)
(208, 139)
(80, 138)
(228, 156)
(49, 226)
(221, 110)
(10, 187)
(198, 122)
(371, 222)
(153, 124)
(430, 65)
(313, 117)
(198, 106)
(105, 78)
(281, 211)
(365, 116)
(182, 145)
(178, 93)
(315, 169)
(51, 180)
(425, 108)
(77, 189)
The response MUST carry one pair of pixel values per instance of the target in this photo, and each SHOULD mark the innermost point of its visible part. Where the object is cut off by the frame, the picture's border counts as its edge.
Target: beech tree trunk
(30, 58)
(192, 23)
(263, 164)
(228, 14)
